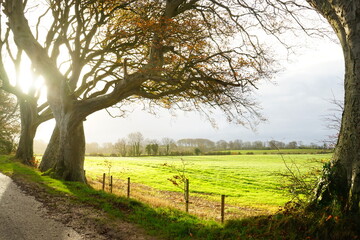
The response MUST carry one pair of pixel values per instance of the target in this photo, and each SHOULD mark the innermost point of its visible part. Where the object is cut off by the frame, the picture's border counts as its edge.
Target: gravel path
(23, 218)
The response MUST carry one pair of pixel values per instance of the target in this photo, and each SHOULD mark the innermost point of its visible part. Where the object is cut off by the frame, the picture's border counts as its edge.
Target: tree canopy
(172, 53)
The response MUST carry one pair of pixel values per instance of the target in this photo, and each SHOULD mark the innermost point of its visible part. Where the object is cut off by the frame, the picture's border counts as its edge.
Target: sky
(295, 104)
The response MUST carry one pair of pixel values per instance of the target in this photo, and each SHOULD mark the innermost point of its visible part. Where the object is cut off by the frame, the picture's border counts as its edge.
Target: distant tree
(231, 145)
(313, 145)
(273, 144)
(9, 123)
(186, 142)
(201, 143)
(258, 145)
(121, 147)
(148, 149)
(197, 151)
(152, 148)
(155, 148)
(205, 144)
(238, 144)
(221, 145)
(292, 145)
(134, 140)
(168, 143)
(247, 145)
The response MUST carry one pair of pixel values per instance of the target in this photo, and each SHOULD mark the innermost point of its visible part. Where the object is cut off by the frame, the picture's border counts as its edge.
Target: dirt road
(24, 218)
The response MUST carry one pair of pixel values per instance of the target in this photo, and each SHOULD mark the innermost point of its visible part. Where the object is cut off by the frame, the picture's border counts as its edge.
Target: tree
(197, 151)
(121, 147)
(134, 140)
(148, 149)
(341, 180)
(49, 158)
(292, 145)
(9, 125)
(173, 53)
(238, 144)
(221, 145)
(168, 143)
(152, 148)
(273, 144)
(155, 148)
(258, 145)
(205, 144)
(31, 115)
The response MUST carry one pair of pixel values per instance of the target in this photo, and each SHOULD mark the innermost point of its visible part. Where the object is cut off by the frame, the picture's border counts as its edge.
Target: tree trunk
(28, 114)
(49, 158)
(71, 149)
(341, 180)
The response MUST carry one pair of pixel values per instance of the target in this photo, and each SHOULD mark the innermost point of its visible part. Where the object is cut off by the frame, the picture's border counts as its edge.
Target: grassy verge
(172, 224)
(164, 222)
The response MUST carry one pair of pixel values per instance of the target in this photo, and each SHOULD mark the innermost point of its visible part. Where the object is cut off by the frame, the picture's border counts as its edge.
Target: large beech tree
(340, 185)
(31, 115)
(173, 53)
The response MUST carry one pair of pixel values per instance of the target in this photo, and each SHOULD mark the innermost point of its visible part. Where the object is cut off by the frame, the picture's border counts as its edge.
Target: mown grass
(247, 180)
(173, 224)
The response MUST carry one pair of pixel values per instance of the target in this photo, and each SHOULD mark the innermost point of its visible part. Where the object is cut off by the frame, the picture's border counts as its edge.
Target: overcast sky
(294, 107)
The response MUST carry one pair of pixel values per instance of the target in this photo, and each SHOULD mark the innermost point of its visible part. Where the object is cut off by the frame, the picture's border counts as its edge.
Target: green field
(246, 180)
(278, 151)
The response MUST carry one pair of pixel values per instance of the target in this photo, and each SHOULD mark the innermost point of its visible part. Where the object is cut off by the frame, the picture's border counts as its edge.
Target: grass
(248, 181)
(173, 224)
(164, 222)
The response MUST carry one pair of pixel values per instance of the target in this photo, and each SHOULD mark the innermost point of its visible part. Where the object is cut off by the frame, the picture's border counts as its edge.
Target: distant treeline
(136, 145)
(271, 151)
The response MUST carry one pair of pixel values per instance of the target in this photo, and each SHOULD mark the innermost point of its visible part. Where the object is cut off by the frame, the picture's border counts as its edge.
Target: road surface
(24, 218)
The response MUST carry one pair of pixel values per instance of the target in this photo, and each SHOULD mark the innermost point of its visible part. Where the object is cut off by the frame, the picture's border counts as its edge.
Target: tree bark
(70, 161)
(28, 115)
(341, 181)
(49, 158)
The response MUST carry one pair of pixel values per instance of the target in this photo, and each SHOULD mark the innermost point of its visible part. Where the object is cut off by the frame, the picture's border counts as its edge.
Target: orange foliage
(184, 49)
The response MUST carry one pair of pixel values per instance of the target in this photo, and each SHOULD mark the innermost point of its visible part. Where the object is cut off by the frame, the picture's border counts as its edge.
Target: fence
(186, 194)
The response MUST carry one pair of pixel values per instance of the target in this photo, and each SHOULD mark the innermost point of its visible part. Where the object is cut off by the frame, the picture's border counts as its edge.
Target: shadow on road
(23, 218)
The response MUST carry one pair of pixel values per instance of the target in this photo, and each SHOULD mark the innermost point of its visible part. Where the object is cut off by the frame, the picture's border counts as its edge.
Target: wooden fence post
(103, 183)
(111, 184)
(128, 188)
(187, 195)
(222, 208)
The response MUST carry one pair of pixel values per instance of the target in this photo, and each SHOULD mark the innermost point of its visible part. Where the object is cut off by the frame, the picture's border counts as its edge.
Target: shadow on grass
(174, 224)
